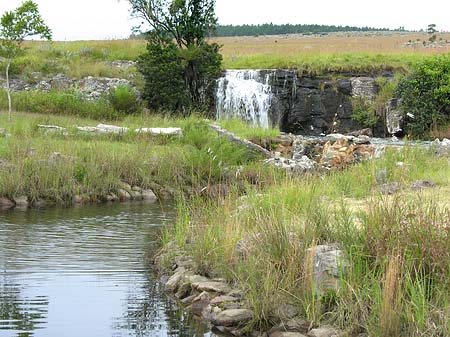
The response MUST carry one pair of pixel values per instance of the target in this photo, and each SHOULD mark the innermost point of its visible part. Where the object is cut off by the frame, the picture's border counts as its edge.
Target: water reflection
(82, 272)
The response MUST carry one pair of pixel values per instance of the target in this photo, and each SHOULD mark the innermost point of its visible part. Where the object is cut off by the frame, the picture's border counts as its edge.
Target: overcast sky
(109, 19)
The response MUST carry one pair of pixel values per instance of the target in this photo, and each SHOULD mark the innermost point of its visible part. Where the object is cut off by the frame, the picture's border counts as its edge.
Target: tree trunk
(8, 90)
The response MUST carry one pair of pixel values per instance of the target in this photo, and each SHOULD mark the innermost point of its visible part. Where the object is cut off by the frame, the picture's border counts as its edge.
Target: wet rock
(184, 290)
(234, 317)
(422, 184)
(360, 140)
(286, 334)
(123, 195)
(334, 137)
(362, 132)
(217, 287)
(323, 332)
(149, 196)
(135, 195)
(174, 281)
(22, 201)
(389, 188)
(199, 305)
(189, 300)
(328, 263)
(6, 203)
(210, 313)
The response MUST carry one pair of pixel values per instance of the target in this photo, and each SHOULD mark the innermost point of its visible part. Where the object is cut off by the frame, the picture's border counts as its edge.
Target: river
(83, 272)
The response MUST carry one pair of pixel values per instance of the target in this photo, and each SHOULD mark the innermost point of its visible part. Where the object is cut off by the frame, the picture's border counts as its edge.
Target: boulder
(233, 317)
(217, 287)
(161, 131)
(328, 263)
(220, 300)
(22, 201)
(174, 281)
(6, 203)
(394, 117)
(123, 195)
(292, 325)
(364, 87)
(149, 196)
(323, 332)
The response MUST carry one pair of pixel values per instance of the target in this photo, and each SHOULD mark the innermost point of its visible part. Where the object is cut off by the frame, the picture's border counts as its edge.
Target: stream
(83, 272)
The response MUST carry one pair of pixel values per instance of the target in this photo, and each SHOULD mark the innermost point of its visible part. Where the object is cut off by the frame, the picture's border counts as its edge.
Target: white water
(246, 95)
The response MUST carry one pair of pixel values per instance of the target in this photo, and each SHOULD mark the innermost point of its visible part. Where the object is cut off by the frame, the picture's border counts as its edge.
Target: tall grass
(396, 283)
(94, 165)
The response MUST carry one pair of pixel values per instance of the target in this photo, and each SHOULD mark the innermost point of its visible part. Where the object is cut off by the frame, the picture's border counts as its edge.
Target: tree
(15, 26)
(425, 93)
(180, 68)
(431, 29)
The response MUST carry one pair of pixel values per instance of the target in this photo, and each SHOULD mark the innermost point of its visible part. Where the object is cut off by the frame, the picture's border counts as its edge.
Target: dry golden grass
(334, 43)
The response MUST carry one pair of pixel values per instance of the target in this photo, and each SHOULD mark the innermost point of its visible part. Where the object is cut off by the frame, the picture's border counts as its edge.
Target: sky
(110, 19)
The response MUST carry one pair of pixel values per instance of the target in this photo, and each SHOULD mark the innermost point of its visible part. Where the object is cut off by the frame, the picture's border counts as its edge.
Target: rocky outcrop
(92, 88)
(225, 308)
(297, 104)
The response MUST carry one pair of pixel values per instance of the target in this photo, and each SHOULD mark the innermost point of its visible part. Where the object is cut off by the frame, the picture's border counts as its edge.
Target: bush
(364, 112)
(180, 79)
(124, 99)
(426, 94)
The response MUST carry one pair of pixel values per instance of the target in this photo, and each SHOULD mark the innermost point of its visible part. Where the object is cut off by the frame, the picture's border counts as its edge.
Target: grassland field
(398, 283)
(364, 53)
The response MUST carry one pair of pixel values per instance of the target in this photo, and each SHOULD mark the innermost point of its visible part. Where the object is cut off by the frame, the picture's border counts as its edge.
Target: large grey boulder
(394, 117)
(364, 87)
(329, 264)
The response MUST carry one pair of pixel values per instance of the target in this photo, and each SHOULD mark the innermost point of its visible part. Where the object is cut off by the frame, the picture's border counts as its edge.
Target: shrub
(364, 112)
(426, 94)
(124, 99)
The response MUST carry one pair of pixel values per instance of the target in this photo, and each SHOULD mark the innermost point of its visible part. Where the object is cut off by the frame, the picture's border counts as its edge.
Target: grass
(354, 53)
(93, 166)
(397, 246)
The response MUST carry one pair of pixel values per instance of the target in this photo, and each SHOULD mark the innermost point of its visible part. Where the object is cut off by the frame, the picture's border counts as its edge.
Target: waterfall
(244, 94)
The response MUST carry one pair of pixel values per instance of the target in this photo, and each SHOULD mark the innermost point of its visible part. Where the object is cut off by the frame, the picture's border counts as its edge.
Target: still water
(82, 272)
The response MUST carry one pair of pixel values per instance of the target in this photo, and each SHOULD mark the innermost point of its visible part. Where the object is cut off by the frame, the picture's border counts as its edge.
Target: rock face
(89, 87)
(394, 117)
(315, 106)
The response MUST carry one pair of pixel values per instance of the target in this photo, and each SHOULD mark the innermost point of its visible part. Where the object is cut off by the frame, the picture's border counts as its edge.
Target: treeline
(272, 29)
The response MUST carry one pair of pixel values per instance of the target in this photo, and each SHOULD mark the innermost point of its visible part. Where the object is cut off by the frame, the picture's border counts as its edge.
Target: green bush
(364, 112)
(180, 79)
(124, 99)
(425, 93)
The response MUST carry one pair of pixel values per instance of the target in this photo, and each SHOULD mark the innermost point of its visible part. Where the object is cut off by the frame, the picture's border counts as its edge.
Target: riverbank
(44, 167)
(364, 249)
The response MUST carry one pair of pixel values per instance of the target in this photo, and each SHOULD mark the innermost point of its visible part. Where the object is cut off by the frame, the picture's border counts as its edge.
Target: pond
(84, 272)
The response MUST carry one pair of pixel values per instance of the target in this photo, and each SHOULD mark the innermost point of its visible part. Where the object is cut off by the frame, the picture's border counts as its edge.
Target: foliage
(15, 26)
(425, 93)
(19, 24)
(124, 99)
(364, 112)
(274, 29)
(179, 64)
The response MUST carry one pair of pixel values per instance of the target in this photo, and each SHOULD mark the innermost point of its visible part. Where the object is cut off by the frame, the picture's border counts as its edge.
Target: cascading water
(244, 94)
